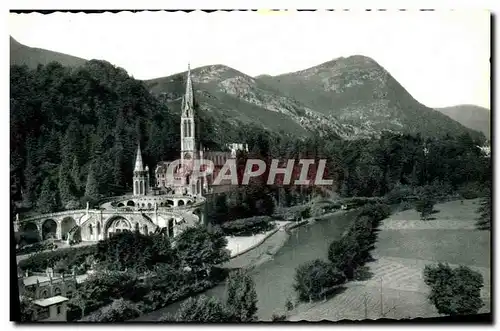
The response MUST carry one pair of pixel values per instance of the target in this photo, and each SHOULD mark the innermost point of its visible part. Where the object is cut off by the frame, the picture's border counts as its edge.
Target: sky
(440, 57)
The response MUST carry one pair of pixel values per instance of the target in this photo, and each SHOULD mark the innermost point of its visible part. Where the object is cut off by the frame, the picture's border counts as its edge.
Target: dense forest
(74, 134)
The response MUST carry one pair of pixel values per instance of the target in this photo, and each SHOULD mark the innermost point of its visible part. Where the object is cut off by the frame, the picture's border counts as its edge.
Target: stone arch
(98, 228)
(69, 290)
(49, 228)
(67, 224)
(120, 204)
(170, 202)
(161, 204)
(130, 203)
(189, 202)
(30, 233)
(180, 203)
(170, 227)
(198, 213)
(143, 205)
(57, 291)
(117, 224)
(44, 294)
(149, 205)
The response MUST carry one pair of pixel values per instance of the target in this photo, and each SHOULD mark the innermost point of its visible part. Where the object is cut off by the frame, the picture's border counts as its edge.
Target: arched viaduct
(98, 224)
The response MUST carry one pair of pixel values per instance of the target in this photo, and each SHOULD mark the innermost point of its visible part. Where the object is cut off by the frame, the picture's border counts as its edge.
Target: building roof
(50, 301)
(31, 280)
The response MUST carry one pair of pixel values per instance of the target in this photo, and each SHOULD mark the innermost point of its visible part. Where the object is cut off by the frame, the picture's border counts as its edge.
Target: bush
(425, 207)
(316, 279)
(278, 318)
(471, 191)
(200, 309)
(118, 311)
(399, 194)
(248, 226)
(454, 291)
(376, 212)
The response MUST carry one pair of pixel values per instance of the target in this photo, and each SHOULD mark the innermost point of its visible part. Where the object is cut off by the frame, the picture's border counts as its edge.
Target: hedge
(248, 226)
(34, 248)
(73, 256)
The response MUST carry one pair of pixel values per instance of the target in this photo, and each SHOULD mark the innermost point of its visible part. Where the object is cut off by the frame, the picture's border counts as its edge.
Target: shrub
(278, 318)
(201, 309)
(316, 279)
(399, 194)
(248, 226)
(376, 212)
(118, 311)
(454, 291)
(471, 191)
(425, 207)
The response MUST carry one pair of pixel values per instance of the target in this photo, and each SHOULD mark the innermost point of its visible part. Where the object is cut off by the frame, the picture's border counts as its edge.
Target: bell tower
(141, 175)
(188, 141)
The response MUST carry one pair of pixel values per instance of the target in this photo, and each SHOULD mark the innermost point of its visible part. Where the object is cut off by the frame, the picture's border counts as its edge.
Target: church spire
(188, 97)
(138, 159)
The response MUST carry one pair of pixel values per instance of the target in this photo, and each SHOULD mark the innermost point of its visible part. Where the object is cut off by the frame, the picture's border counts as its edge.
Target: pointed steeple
(138, 160)
(188, 97)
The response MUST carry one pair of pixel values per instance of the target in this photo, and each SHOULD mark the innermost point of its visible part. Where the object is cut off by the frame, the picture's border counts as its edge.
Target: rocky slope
(358, 91)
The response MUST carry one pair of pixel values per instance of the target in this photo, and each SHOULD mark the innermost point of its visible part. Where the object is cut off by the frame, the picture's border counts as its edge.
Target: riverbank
(406, 244)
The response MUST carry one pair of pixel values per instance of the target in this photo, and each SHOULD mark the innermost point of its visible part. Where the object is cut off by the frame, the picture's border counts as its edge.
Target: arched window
(57, 291)
(91, 229)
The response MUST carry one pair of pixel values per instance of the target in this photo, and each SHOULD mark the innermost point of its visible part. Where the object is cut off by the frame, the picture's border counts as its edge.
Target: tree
(316, 279)
(65, 194)
(200, 309)
(425, 207)
(200, 249)
(484, 220)
(92, 187)
(75, 175)
(344, 255)
(241, 297)
(127, 250)
(47, 202)
(27, 310)
(454, 291)
(119, 310)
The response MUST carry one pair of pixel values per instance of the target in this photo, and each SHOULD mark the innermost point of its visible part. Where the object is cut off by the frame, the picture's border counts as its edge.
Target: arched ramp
(66, 225)
(30, 233)
(49, 229)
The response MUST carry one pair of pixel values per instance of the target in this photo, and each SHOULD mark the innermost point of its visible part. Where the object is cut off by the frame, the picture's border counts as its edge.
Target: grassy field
(405, 245)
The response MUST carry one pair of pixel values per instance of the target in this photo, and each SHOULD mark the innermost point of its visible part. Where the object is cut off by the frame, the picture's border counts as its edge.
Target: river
(274, 279)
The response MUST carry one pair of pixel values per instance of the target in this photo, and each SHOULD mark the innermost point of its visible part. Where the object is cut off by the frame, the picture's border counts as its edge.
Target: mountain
(358, 91)
(32, 57)
(351, 98)
(473, 117)
(228, 94)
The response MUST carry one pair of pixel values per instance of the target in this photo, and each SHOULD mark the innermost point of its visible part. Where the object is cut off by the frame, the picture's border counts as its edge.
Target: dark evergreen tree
(47, 202)
(92, 187)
